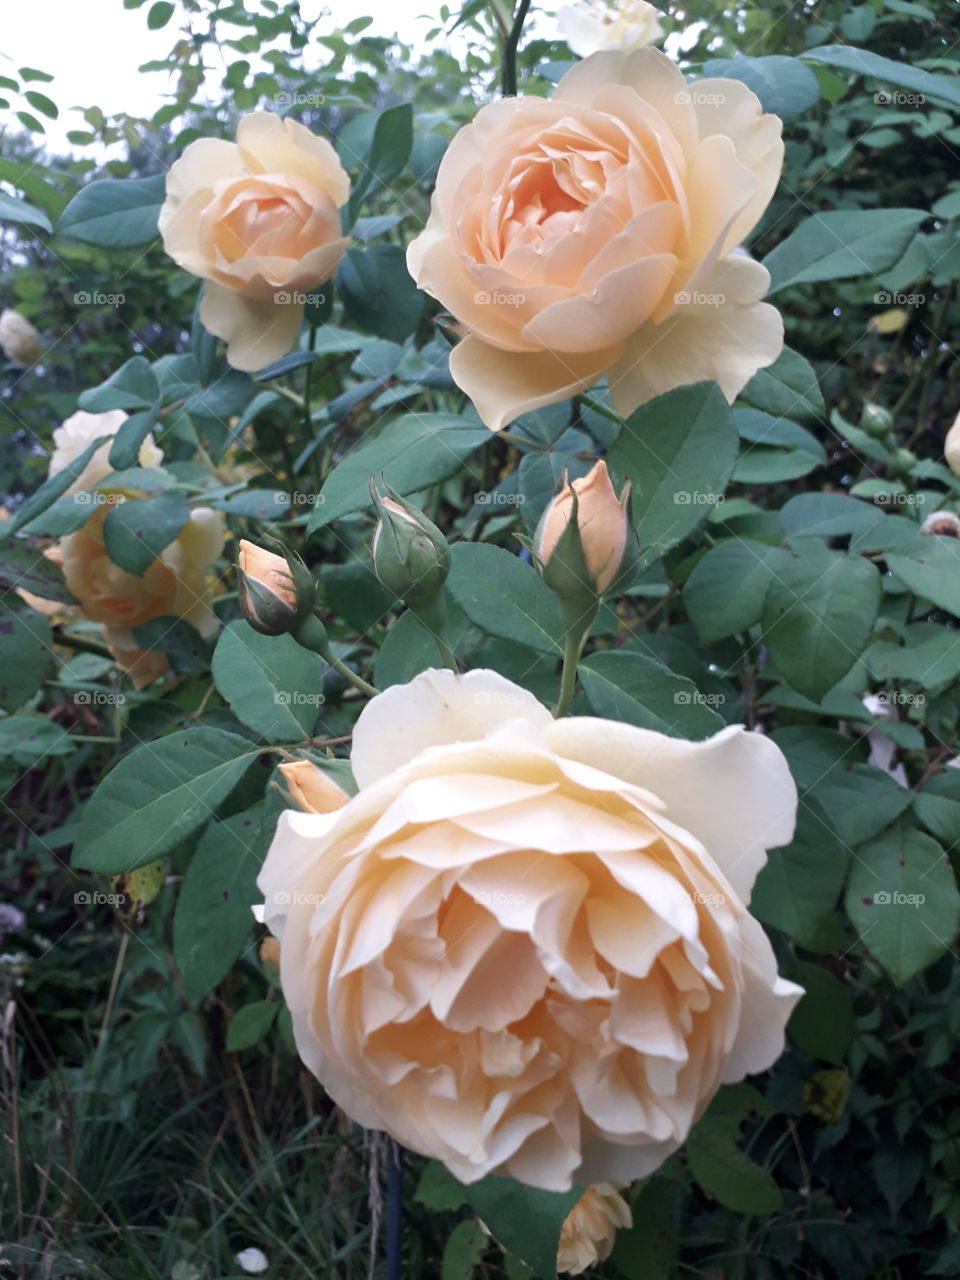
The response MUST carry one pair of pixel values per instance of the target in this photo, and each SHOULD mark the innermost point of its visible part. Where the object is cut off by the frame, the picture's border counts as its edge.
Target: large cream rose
(592, 25)
(524, 947)
(597, 233)
(259, 220)
(78, 432)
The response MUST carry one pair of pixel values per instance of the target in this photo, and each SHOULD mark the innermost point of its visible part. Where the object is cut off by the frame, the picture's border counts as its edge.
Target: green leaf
(26, 177)
(40, 102)
(213, 919)
(25, 568)
(26, 740)
(157, 796)
(271, 683)
(49, 492)
(785, 86)
(27, 649)
(828, 515)
(438, 1189)
(649, 1249)
(411, 453)
(463, 1251)
(822, 1023)
(679, 451)
(159, 14)
(800, 884)
(186, 649)
(848, 58)
(132, 386)
(13, 210)
(937, 805)
(788, 388)
(389, 151)
(932, 572)
(378, 293)
(841, 245)
(137, 530)
(726, 591)
(115, 213)
(125, 450)
(818, 616)
(504, 596)
(860, 799)
(250, 1024)
(633, 689)
(902, 898)
(524, 1220)
(727, 1173)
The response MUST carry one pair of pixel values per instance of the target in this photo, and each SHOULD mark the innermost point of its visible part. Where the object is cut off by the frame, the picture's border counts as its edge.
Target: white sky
(94, 47)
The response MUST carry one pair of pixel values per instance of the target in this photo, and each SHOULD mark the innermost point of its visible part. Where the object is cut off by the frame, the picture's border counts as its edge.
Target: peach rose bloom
(178, 583)
(590, 1228)
(597, 233)
(524, 946)
(258, 219)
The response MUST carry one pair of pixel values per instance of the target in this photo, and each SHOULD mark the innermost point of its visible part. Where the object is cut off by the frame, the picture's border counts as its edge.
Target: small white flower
(252, 1261)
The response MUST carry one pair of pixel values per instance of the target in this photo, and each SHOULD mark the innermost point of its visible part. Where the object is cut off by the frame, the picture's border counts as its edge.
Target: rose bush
(605, 869)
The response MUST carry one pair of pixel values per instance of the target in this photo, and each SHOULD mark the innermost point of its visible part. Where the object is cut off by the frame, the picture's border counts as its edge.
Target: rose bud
(312, 790)
(276, 592)
(875, 420)
(589, 1229)
(951, 447)
(582, 539)
(19, 339)
(409, 553)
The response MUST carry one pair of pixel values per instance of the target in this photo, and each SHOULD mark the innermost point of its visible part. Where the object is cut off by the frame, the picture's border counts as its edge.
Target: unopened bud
(951, 447)
(410, 555)
(19, 339)
(582, 539)
(276, 592)
(901, 462)
(875, 420)
(312, 790)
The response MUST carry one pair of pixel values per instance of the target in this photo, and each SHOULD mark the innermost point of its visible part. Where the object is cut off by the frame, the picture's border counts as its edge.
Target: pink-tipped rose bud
(603, 526)
(274, 596)
(312, 790)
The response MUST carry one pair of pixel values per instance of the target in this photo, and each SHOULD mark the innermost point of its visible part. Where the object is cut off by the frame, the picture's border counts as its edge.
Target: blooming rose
(177, 583)
(597, 233)
(593, 25)
(523, 947)
(589, 1229)
(19, 340)
(259, 220)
